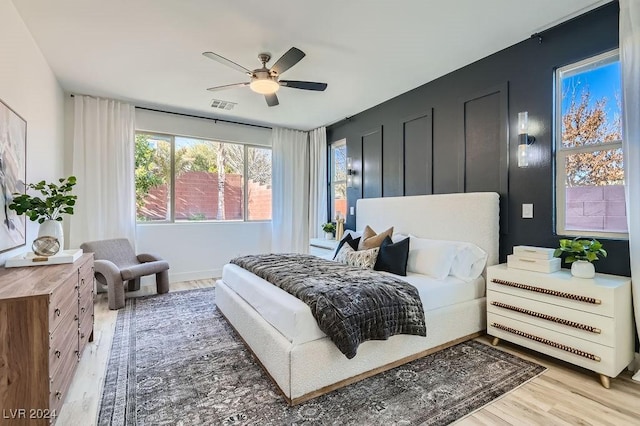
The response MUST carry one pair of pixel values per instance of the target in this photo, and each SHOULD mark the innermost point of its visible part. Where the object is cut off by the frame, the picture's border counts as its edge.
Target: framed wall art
(13, 152)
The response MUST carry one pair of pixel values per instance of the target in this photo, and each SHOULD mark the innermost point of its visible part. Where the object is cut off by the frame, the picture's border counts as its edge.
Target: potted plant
(580, 253)
(329, 229)
(47, 210)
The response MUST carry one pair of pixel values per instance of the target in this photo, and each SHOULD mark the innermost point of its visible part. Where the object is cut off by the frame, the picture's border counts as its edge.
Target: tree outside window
(589, 160)
(188, 179)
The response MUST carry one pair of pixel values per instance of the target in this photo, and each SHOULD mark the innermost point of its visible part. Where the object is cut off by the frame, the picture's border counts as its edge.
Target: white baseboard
(195, 275)
(184, 276)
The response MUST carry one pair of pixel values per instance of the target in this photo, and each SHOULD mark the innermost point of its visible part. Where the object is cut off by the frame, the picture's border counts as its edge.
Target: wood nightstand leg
(605, 381)
(495, 341)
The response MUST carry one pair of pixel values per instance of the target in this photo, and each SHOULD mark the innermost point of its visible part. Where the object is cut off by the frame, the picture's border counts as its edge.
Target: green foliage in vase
(329, 227)
(580, 249)
(57, 200)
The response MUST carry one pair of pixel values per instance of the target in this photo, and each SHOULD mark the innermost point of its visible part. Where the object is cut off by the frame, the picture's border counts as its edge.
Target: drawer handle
(58, 395)
(548, 291)
(57, 312)
(83, 310)
(81, 281)
(548, 317)
(82, 335)
(57, 354)
(547, 342)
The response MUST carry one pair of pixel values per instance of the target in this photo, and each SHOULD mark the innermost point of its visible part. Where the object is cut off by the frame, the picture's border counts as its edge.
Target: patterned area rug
(176, 361)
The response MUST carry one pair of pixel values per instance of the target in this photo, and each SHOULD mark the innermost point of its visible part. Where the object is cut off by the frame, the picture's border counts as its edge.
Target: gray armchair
(116, 264)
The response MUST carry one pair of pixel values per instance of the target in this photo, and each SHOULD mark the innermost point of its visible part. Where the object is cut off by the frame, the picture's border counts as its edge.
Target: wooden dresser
(587, 322)
(46, 319)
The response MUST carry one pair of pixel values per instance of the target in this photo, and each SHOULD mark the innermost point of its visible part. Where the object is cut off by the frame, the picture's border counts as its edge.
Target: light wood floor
(563, 395)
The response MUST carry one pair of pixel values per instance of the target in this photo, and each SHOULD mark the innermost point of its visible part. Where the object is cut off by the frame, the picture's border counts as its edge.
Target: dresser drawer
(86, 276)
(86, 330)
(557, 289)
(590, 355)
(585, 325)
(63, 340)
(61, 380)
(63, 300)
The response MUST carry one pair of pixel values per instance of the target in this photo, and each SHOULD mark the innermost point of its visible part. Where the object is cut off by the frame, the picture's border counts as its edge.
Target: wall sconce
(524, 140)
(350, 173)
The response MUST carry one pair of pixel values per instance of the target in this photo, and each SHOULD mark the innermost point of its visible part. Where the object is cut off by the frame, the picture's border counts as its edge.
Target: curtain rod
(198, 116)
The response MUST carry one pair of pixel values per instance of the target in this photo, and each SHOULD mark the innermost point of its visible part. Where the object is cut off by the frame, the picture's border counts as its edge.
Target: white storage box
(531, 264)
(534, 252)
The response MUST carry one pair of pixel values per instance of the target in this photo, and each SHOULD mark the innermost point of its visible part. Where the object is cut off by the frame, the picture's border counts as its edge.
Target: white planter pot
(583, 269)
(328, 235)
(52, 228)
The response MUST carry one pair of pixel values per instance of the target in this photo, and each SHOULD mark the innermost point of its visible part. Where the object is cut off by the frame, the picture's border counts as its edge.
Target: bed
(303, 363)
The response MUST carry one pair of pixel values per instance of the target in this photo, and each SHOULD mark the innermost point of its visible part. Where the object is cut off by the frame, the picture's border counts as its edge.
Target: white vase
(52, 228)
(583, 269)
(328, 235)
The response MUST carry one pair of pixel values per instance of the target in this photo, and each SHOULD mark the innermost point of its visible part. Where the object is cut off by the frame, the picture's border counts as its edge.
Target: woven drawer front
(585, 325)
(589, 298)
(590, 355)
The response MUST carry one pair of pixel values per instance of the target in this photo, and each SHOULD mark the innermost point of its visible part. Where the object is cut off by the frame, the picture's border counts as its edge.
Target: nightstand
(322, 247)
(587, 322)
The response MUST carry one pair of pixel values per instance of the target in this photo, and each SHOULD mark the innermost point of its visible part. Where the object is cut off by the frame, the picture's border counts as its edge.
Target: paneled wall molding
(485, 157)
(371, 183)
(528, 68)
(417, 149)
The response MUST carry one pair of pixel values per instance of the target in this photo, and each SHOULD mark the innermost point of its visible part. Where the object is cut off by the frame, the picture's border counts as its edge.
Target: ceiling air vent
(226, 105)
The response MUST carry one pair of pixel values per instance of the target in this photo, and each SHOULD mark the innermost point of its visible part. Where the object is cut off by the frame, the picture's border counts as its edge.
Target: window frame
(561, 153)
(332, 167)
(245, 195)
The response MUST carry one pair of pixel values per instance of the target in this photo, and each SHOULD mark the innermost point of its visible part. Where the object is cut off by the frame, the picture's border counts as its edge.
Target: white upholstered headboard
(472, 217)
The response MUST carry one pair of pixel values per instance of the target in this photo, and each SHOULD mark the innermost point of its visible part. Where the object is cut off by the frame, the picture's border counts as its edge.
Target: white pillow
(469, 261)
(396, 237)
(430, 257)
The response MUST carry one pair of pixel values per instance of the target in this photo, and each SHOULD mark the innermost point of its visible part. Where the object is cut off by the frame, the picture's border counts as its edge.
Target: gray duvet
(351, 305)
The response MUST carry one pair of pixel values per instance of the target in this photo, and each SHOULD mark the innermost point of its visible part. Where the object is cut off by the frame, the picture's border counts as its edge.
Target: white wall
(29, 87)
(197, 250)
(200, 250)
(194, 250)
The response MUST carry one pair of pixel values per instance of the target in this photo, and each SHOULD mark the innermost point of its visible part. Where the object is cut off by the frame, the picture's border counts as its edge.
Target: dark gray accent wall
(372, 163)
(461, 141)
(417, 146)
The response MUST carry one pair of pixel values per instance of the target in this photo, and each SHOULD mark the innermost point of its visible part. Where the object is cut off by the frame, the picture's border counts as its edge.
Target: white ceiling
(149, 52)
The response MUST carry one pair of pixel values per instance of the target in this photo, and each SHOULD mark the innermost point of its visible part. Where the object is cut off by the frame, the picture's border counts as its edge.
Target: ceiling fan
(266, 81)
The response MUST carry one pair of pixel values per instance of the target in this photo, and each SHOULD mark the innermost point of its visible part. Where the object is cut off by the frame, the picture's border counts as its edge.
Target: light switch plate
(351, 210)
(527, 211)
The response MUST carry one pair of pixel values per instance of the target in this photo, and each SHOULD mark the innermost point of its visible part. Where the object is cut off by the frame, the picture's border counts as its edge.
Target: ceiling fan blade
(306, 85)
(272, 99)
(289, 59)
(227, 86)
(227, 62)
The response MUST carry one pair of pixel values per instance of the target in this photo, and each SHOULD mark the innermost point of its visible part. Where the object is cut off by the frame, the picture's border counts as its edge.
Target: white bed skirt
(313, 368)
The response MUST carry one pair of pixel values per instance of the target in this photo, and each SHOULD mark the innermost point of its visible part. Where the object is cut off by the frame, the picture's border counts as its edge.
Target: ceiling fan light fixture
(264, 86)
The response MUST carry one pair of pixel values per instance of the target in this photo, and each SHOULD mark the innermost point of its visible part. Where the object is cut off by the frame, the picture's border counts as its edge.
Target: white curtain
(103, 162)
(630, 64)
(317, 180)
(290, 191)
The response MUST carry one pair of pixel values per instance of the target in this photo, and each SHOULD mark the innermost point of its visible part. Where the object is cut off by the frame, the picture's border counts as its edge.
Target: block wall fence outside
(197, 198)
(598, 208)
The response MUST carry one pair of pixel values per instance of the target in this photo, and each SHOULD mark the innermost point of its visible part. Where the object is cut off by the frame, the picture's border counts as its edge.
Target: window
(187, 179)
(338, 167)
(589, 163)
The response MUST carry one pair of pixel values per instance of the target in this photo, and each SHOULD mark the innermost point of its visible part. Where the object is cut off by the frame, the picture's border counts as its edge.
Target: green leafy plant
(57, 200)
(329, 227)
(580, 249)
